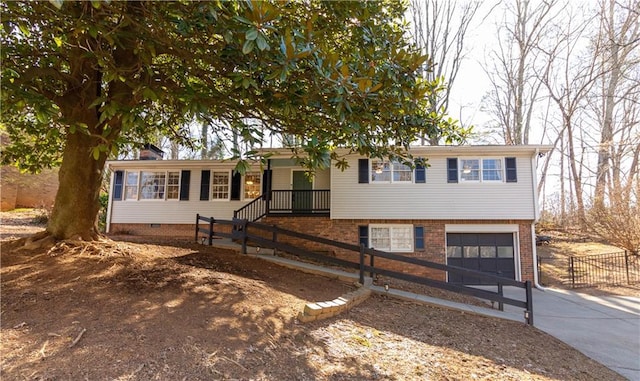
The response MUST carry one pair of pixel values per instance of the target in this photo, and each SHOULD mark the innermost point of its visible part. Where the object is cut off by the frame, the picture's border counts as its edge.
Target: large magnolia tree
(80, 79)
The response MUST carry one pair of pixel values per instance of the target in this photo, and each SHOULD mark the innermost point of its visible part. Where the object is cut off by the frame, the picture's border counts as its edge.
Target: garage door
(487, 252)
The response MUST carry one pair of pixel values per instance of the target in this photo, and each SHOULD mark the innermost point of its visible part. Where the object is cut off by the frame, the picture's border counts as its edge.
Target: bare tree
(439, 31)
(568, 76)
(515, 86)
(617, 47)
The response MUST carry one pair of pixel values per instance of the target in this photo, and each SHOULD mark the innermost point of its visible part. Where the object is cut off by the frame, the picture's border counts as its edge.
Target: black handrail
(241, 231)
(253, 211)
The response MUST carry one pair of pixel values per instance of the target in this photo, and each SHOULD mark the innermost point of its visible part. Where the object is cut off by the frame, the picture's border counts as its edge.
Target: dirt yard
(175, 310)
(554, 264)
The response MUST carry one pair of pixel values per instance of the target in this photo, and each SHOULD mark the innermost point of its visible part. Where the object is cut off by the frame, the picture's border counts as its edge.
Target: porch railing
(311, 202)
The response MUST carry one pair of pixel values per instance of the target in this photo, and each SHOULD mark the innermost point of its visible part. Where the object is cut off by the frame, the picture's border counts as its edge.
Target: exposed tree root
(102, 248)
(92, 245)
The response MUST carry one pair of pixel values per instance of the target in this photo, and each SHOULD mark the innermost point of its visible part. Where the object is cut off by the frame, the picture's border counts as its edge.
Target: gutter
(536, 218)
(110, 203)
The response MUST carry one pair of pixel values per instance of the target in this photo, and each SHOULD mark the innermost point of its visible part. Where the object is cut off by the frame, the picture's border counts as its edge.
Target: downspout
(536, 217)
(110, 203)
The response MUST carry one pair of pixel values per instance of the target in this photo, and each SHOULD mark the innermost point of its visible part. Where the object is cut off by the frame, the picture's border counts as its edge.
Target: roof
(282, 153)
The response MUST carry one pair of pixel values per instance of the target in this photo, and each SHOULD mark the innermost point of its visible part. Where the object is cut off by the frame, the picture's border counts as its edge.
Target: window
(481, 170)
(252, 186)
(470, 170)
(131, 186)
(384, 171)
(220, 187)
(173, 185)
(491, 170)
(152, 185)
(391, 237)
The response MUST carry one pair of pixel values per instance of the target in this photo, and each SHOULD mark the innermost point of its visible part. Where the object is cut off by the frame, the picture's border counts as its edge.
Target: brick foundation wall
(434, 236)
(347, 231)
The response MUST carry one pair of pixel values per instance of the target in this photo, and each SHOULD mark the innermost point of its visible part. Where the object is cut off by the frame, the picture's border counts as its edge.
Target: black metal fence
(269, 236)
(612, 269)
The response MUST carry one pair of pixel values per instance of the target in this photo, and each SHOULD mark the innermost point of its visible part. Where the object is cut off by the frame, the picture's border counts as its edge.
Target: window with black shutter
(418, 233)
(205, 181)
(452, 170)
(510, 165)
(363, 171)
(118, 177)
(236, 186)
(363, 235)
(421, 174)
(185, 181)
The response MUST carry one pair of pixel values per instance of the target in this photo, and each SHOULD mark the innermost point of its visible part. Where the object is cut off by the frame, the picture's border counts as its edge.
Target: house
(471, 206)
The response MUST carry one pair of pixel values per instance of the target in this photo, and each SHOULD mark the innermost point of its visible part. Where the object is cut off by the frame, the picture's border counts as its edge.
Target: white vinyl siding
(435, 199)
(183, 212)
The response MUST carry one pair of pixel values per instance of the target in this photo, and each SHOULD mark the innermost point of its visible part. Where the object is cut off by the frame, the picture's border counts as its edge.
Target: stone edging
(324, 310)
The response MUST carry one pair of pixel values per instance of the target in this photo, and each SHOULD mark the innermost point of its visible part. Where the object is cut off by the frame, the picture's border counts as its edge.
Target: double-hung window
(391, 237)
(220, 186)
(485, 170)
(131, 186)
(147, 185)
(385, 171)
(252, 186)
(173, 185)
(152, 185)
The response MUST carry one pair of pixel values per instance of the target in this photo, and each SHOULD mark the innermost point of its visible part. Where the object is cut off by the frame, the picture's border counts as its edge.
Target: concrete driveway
(605, 328)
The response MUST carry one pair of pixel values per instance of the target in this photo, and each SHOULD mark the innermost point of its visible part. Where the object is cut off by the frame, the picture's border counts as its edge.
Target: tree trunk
(77, 202)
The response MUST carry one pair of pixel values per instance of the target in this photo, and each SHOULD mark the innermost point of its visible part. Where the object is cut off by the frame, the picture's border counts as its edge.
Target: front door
(302, 195)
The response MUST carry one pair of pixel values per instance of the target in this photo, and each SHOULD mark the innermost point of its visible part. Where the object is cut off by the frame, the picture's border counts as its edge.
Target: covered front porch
(287, 189)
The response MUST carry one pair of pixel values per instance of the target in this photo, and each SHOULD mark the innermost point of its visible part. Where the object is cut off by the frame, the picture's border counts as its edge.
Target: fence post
(244, 236)
(197, 225)
(210, 231)
(572, 273)
(362, 264)
(501, 293)
(372, 273)
(626, 265)
(274, 239)
(528, 314)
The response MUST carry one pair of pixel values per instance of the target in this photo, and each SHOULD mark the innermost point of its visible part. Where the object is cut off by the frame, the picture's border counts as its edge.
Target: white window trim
(139, 186)
(166, 186)
(391, 181)
(124, 186)
(229, 179)
(480, 177)
(390, 227)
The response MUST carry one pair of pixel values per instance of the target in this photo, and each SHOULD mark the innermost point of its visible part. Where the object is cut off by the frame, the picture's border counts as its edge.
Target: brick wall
(347, 231)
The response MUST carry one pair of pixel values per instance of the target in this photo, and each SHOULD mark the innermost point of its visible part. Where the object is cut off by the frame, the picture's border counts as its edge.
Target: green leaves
(329, 74)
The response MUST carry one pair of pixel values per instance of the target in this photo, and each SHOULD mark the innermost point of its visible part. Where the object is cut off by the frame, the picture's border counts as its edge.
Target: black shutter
(363, 235)
(421, 174)
(205, 181)
(185, 181)
(418, 237)
(452, 170)
(510, 165)
(236, 182)
(267, 178)
(363, 171)
(117, 185)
